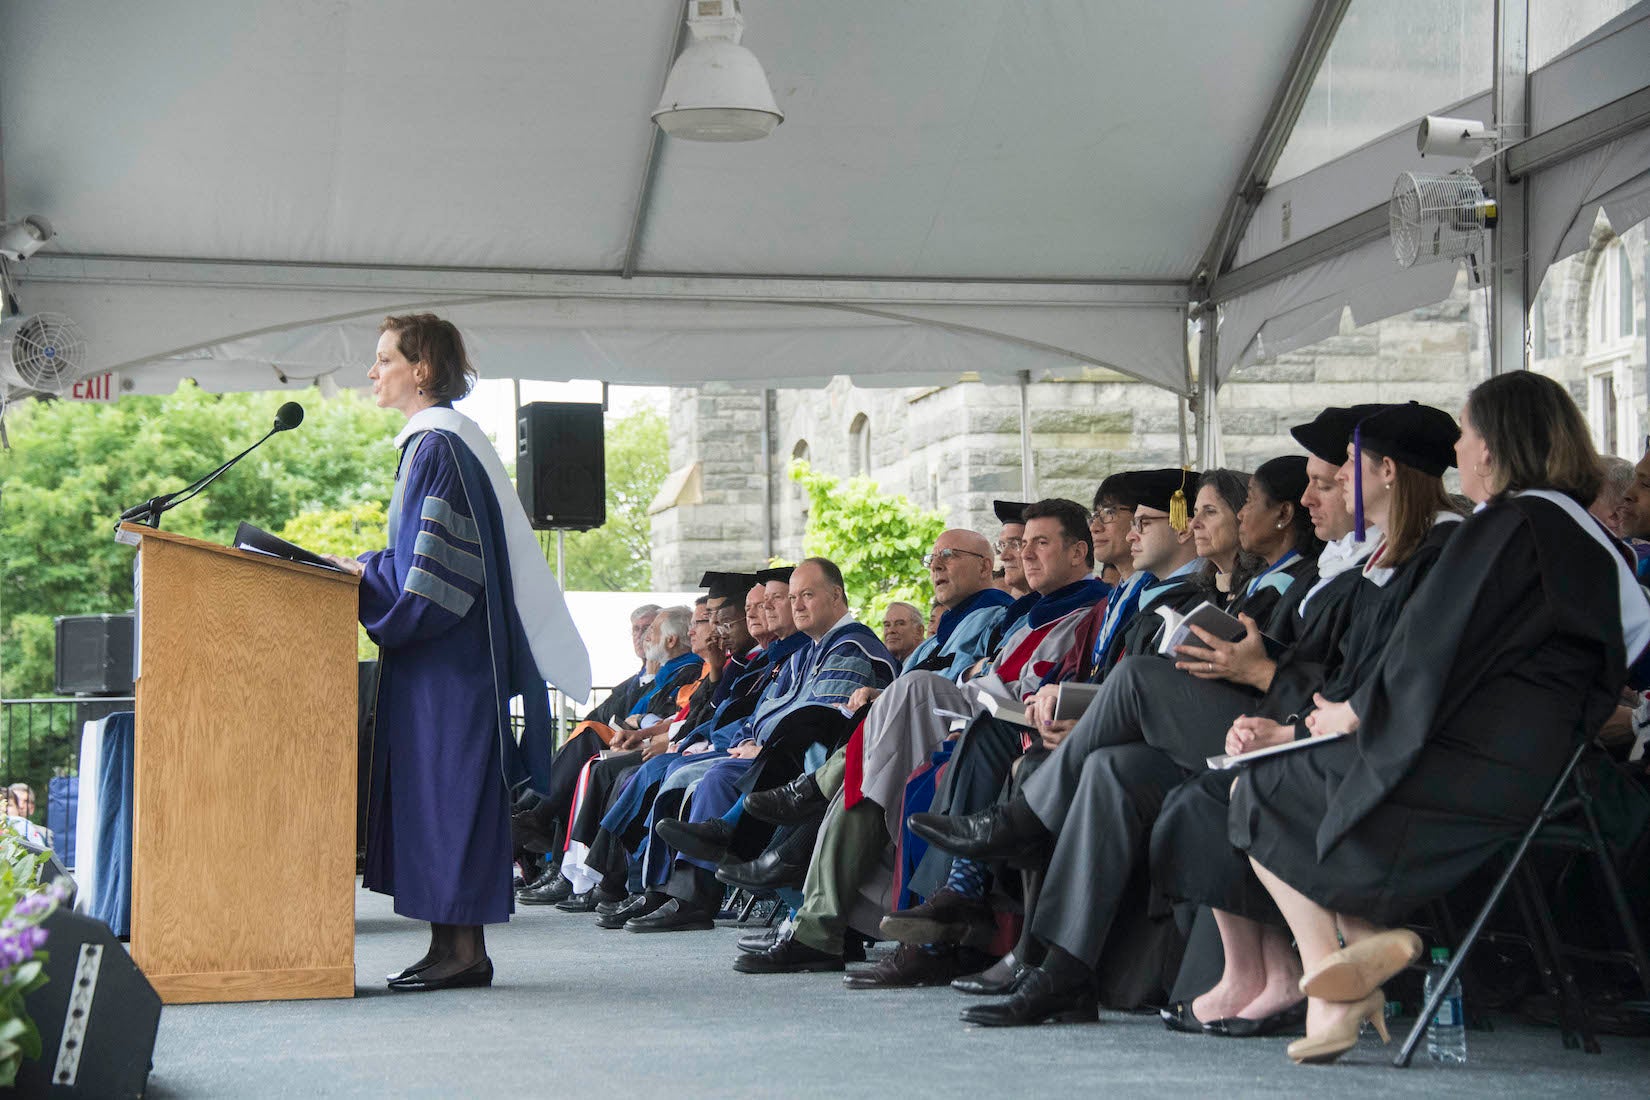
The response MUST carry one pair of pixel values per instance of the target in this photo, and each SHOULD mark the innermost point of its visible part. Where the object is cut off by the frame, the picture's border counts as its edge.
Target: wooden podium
(243, 827)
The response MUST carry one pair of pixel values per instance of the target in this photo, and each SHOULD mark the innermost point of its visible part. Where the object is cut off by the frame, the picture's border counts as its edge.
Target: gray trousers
(1099, 793)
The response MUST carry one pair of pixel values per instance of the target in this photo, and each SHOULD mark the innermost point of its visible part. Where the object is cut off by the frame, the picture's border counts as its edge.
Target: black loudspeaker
(94, 654)
(97, 1016)
(561, 465)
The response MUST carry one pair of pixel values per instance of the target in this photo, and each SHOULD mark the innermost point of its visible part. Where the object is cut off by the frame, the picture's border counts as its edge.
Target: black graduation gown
(1346, 627)
(1510, 650)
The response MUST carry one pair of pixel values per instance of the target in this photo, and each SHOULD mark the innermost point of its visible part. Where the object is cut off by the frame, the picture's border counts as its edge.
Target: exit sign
(99, 387)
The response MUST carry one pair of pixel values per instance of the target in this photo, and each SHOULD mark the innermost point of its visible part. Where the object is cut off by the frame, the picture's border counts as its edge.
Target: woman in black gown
(1514, 646)
(1404, 451)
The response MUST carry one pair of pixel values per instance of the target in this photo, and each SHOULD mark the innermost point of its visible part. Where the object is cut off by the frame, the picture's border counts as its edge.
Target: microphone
(287, 417)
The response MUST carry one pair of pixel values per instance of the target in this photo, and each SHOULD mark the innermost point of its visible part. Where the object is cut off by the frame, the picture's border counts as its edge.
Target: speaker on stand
(561, 465)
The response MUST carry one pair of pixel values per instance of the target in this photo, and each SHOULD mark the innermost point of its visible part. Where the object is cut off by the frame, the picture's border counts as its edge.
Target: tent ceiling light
(716, 90)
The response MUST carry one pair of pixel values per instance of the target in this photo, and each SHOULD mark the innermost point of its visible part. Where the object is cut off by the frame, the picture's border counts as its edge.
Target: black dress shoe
(553, 892)
(473, 976)
(587, 901)
(674, 915)
(613, 904)
(706, 840)
(754, 943)
(907, 967)
(768, 871)
(1289, 1020)
(796, 802)
(546, 877)
(987, 835)
(1180, 1017)
(1036, 1000)
(997, 980)
(636, 905)
(787, 957)
(946, 917)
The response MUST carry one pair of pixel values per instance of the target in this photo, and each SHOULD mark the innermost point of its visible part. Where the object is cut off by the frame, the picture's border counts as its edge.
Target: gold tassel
(1178, 518)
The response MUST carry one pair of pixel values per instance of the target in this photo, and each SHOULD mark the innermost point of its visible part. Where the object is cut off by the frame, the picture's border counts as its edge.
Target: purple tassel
(1358, 482)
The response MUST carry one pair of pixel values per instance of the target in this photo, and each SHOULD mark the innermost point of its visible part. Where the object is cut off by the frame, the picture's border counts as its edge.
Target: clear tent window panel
(1556, 25)
(1392, 60)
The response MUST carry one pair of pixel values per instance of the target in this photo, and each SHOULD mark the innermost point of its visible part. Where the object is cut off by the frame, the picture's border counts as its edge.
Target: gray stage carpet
(581, 1012)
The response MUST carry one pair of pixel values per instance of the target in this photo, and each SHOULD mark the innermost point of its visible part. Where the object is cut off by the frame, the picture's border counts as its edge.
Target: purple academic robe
(438, 827)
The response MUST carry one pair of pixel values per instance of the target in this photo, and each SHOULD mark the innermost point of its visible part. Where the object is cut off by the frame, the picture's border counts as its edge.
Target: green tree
(347, 531)
(72, 468)
(618, 556)
(877, 540)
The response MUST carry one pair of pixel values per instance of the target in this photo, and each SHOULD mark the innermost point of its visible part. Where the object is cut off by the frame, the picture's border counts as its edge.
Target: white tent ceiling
(241, 190)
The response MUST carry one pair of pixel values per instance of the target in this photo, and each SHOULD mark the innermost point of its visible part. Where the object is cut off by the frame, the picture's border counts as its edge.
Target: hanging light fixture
(716, 90)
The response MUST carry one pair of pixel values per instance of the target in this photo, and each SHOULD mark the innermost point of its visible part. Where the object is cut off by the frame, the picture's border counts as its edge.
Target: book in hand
(1238, 759)
(259, 541)
(1177, 628)
(1008, 710)
(1073, 699)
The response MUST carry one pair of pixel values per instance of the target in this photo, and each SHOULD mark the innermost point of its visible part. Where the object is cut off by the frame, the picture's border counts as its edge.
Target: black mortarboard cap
(1159, 488)
(1330, 432)
(780, 573)
(1010, 511)
(1412, 433)
(1284, 479)
(728, 586)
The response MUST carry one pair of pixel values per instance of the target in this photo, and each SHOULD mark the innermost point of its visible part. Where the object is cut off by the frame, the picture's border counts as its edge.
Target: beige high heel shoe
(1352, 972)
(1330, 1045)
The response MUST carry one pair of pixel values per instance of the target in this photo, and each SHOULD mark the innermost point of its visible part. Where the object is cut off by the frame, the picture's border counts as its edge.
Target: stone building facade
(955, 448)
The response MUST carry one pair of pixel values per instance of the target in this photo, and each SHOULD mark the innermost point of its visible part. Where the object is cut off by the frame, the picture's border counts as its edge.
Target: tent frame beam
(1509, 285)
(650, 165)
(1274, 134)
(1629, 114)
(456, 282)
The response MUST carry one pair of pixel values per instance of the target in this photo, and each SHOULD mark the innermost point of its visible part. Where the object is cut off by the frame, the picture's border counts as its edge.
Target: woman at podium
(468, 616)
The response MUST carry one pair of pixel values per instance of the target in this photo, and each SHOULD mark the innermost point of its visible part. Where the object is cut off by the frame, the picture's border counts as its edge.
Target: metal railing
(40, 738)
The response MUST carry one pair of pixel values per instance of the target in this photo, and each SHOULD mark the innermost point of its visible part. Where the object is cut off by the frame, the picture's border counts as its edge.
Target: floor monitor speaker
(97, 1016)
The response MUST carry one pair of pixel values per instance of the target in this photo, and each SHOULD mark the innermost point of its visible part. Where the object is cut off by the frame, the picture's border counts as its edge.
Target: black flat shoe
(474, 976)
(1036, 1001)
(795, 803)
(787, 957)
(1180, 1017)
(997, 980)
(985, 836)
(1291, 1019)
(673, 916)
(415, 968)
(707, 840)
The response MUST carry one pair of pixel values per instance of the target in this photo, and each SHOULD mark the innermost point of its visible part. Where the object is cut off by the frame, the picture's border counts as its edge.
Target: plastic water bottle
(1447, 1033)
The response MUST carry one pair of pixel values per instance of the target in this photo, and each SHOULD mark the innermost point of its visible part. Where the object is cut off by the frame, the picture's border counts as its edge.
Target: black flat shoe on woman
(475, 975)
(1292, 1018)
(1179, 1017)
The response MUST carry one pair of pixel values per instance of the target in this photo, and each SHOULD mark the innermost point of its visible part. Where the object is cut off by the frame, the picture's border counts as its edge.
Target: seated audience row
(1025, 798)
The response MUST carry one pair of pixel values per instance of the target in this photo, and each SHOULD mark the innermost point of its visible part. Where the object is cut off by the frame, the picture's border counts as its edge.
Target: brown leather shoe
(946, 917)
(907, 967)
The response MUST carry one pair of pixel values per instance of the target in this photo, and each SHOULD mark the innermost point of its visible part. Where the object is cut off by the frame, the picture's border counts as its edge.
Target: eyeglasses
(944, 557)
(1008, 546)
(1108, 514)
(1139, 523)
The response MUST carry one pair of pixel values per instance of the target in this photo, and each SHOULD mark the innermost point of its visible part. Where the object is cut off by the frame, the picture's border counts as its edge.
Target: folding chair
(1571, 797)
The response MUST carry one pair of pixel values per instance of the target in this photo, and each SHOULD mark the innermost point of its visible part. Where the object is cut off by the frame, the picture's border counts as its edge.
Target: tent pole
(1207, 418)
(767, 476)
(1028, 475)
(1509, 283)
